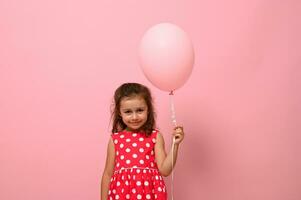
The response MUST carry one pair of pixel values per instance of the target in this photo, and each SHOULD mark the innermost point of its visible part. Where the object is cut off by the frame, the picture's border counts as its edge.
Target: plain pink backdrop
(60, 62)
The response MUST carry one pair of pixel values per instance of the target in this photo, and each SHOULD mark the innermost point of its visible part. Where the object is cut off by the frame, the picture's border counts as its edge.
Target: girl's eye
(140, 110)
(127, 112)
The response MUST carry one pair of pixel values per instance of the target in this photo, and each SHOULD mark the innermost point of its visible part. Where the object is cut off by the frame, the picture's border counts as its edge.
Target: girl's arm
(108, 171)
(164, 161)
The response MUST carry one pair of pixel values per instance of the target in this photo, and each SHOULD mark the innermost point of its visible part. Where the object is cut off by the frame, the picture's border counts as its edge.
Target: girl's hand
(178, 134)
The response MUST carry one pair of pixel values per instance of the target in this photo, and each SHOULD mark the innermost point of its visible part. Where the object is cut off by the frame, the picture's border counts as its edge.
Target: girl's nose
(134, 115)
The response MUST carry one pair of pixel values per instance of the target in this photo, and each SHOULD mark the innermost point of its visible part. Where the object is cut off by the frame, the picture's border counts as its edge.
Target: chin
(134, 128)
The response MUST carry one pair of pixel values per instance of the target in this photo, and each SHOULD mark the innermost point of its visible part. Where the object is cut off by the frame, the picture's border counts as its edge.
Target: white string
(174, 121)
(172, 107)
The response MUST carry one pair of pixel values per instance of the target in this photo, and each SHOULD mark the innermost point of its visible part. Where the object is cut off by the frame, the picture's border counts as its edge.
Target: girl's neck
(127, 129)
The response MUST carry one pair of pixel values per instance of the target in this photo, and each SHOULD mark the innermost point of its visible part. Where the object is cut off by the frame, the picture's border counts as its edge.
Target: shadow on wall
(195, 164)
(199, 165)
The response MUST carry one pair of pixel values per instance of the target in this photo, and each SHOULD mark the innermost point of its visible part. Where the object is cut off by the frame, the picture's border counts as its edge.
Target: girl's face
(133, 111)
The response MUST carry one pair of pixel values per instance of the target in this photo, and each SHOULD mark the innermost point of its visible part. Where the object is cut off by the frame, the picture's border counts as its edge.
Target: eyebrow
(142, 107)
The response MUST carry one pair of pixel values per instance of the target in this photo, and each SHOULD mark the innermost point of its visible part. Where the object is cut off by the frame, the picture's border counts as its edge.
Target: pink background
(60, 62)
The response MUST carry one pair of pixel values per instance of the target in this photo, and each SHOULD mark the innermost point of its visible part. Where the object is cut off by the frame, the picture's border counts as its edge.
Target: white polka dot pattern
(136, 174)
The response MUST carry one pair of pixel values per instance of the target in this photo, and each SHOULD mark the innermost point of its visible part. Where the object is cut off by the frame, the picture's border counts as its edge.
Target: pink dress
(136, 174)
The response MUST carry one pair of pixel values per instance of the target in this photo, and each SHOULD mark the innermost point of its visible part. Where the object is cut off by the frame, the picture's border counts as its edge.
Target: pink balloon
(166, 56)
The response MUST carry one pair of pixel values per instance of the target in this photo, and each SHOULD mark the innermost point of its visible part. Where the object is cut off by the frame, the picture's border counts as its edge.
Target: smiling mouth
(135, 123)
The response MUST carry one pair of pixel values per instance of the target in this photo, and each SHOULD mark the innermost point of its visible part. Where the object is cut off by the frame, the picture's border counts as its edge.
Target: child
(136, 156)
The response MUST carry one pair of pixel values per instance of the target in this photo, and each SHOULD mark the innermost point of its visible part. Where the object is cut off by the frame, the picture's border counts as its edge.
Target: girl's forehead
(132, 97)
(132, 101)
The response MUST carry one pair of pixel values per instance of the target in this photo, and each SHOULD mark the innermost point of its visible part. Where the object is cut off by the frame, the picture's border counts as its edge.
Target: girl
(136, 157)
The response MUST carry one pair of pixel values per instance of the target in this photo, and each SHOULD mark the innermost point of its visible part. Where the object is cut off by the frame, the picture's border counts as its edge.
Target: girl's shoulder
(116, 134)
(155, 133)
(158, 136)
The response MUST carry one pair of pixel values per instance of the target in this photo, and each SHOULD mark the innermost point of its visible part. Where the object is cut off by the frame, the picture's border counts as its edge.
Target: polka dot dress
(136, 174)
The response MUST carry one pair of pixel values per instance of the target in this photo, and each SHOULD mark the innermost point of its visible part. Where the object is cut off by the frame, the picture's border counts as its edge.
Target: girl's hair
(131, 90)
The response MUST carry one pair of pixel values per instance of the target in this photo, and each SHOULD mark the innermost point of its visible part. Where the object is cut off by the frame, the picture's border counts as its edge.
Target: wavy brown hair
(131, 90)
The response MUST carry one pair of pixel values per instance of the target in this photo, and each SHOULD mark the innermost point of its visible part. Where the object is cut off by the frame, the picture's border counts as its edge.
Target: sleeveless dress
(136, 174)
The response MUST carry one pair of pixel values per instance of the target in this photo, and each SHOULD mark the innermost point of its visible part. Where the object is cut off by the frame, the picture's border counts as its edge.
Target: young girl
(136, 157)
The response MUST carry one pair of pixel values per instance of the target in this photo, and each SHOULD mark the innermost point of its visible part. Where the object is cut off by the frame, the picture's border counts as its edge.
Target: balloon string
(172, 107)
(174, 121)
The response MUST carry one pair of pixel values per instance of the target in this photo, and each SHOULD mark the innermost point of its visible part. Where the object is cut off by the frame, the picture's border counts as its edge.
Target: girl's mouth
(135, 123)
